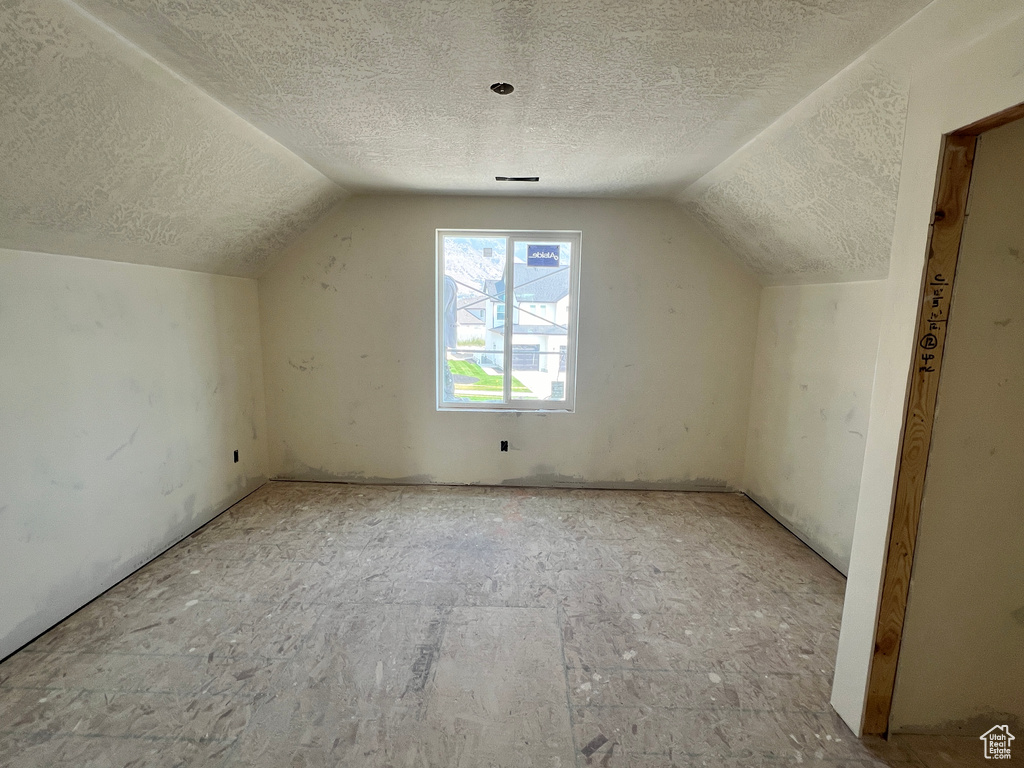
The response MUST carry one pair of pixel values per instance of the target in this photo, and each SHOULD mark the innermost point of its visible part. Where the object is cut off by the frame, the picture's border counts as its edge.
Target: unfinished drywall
(960, 668)
(666, 340)
(124, 391)
(971, 75)
(812, 199)
(813, 369)
(105, 153)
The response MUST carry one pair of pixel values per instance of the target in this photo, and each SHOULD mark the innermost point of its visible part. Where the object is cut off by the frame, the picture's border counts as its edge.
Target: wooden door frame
(944, 240)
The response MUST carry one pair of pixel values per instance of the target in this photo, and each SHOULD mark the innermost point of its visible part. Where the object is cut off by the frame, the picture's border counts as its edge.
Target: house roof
(542, 284)
(535, 284)
(467, 317)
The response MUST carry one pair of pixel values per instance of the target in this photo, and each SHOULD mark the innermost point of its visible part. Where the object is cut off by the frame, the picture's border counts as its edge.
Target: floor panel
(344, 625)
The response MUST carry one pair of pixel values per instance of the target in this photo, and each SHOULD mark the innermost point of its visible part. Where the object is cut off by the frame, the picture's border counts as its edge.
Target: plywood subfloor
(340, 625)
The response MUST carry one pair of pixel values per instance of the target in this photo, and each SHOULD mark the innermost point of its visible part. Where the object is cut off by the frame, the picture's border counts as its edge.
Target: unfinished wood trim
(992, 121)
(943, 252)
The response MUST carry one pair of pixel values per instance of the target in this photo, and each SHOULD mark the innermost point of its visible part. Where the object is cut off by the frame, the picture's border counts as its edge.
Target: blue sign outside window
(543, 255)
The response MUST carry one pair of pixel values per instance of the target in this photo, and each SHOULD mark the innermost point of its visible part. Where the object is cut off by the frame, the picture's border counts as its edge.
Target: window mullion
(509, 276)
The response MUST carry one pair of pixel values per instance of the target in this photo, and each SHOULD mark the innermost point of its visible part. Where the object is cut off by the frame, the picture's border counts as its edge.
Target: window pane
(477, 377)
(541, 300)
(507, 347)
(473, 319)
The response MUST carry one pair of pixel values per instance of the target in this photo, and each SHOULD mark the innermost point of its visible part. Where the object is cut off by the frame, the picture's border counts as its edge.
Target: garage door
(526, 357)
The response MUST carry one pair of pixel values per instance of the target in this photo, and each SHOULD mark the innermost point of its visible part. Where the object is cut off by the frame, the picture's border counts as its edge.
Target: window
(523, 358)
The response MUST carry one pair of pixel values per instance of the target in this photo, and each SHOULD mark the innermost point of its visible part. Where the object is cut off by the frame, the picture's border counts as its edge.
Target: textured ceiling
(814, 198)
(206, 134)
(104, 153)
(612, 97)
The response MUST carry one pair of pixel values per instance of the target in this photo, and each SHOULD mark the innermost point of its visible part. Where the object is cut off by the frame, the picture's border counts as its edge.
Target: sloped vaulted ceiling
(198, 161)
(612, 97)
(813, 197)
(104, 153)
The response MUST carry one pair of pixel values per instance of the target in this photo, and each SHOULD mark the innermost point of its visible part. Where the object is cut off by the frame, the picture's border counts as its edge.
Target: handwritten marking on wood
(943, 252)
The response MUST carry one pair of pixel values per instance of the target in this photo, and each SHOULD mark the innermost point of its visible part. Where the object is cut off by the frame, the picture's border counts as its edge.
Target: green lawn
(484, 382)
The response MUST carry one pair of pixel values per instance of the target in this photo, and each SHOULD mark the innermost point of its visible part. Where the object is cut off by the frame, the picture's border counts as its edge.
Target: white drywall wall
(977, 74)
(813, 370)
(666, 339)
(124, 390)
(961, 667)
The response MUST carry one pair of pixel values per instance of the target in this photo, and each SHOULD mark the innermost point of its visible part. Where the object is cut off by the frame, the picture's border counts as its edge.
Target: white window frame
(575, 238)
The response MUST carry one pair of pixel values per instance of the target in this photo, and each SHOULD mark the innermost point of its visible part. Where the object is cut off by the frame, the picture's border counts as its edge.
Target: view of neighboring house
(539, 321)
(470, 325)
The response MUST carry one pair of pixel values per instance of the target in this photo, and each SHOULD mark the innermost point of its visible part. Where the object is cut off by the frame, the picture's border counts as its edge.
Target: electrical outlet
(236, 457)
(504, 446)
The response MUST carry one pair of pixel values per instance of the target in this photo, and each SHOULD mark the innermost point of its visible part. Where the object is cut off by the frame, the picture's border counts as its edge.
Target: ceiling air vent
(517, 178)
